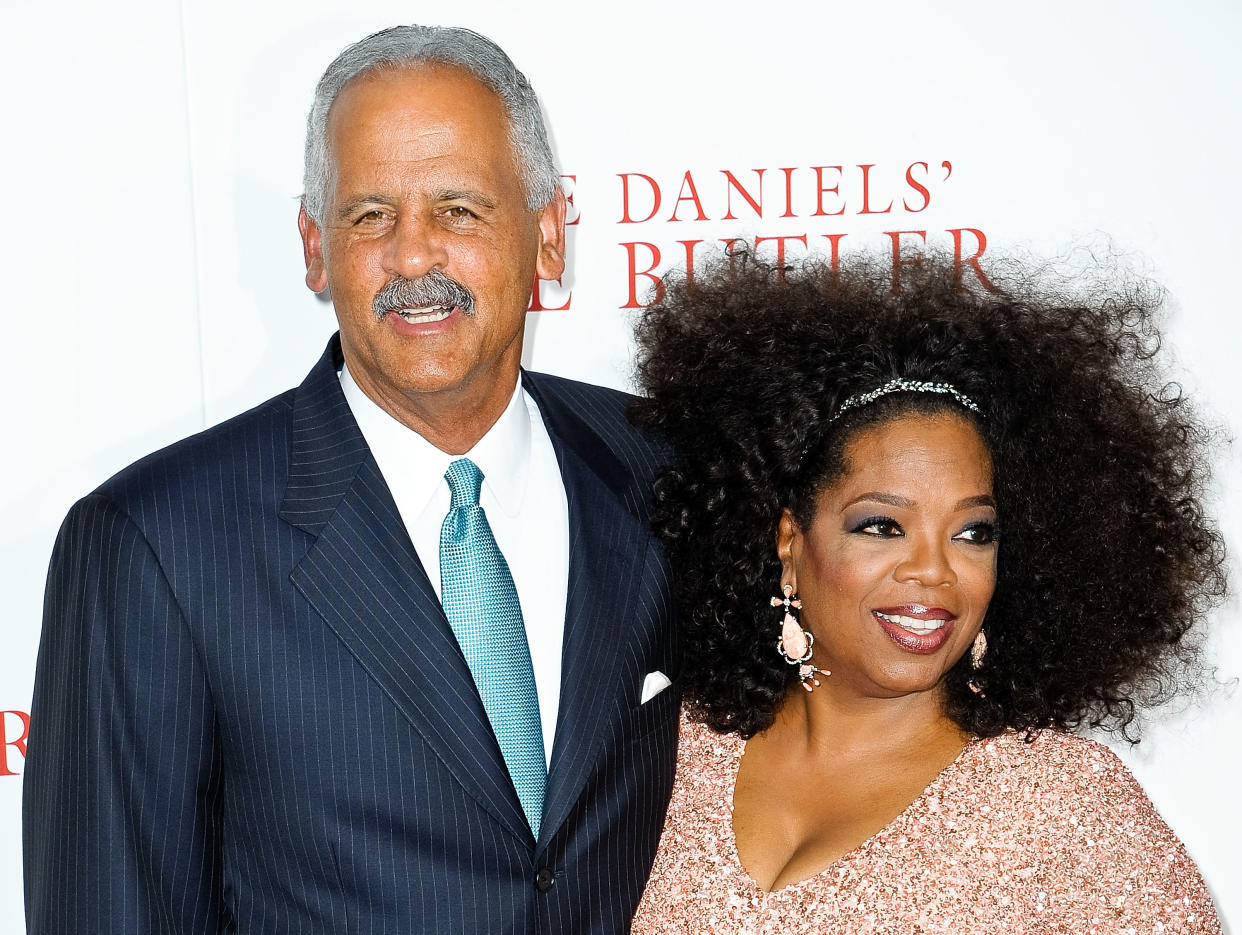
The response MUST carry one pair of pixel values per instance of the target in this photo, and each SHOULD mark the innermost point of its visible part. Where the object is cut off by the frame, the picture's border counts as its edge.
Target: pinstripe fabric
(251, 715)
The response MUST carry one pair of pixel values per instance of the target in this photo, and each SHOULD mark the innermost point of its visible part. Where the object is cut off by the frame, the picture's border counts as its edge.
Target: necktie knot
(465, 480)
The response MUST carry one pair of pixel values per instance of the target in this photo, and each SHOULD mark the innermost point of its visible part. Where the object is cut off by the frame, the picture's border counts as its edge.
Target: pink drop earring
(978, 649)
(796, 644)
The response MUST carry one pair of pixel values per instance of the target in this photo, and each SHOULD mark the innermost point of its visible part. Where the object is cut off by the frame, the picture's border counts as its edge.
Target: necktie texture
(481, 603)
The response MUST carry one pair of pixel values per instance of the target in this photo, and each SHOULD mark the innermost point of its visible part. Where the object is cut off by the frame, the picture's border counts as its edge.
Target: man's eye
(370, 217)
(878, 526)
(458, 213)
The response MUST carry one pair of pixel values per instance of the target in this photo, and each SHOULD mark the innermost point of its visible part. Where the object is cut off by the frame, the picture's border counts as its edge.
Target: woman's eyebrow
(905, 503)
(983, 499)
(891, 499)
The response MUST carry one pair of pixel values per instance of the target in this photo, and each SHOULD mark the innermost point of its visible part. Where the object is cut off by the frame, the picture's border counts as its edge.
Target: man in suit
(384, 654)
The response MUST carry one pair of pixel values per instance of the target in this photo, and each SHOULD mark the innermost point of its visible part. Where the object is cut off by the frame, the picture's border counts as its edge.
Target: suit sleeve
(120, 830)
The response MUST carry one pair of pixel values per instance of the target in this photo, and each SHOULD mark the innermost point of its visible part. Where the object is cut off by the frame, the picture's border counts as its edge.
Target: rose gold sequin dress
(1013, 837)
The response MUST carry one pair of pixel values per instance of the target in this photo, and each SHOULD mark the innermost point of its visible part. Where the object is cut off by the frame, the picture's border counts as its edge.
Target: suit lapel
(364, 579)
(607, 552)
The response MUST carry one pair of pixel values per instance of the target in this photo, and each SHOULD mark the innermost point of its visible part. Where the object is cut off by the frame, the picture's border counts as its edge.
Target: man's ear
(312, 252)
(550, 263)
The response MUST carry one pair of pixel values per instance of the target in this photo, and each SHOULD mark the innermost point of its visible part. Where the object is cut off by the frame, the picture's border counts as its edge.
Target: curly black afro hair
(1107, 558)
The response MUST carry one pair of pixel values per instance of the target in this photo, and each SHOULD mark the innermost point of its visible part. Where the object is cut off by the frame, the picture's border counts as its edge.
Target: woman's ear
(788, 548)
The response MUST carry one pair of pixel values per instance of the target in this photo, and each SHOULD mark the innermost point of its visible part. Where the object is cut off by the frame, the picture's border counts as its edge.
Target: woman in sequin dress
(918, 538)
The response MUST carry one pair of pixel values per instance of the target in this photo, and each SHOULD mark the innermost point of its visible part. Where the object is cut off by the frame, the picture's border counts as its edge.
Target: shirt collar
(503, 453)
(406, 458)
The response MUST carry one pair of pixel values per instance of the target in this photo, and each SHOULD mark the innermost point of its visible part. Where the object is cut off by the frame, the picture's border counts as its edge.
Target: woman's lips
(915, 628)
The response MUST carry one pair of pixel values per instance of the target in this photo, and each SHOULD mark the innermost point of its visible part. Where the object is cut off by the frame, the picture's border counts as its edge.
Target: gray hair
(400, 46)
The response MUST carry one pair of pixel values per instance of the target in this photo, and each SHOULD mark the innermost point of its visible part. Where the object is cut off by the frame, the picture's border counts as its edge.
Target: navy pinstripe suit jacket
(251, 715)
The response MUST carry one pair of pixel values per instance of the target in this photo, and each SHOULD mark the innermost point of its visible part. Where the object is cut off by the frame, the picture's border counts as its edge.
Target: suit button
(544, 879)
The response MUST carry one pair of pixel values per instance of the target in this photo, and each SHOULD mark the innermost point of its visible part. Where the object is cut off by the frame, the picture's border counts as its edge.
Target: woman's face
(897, 568)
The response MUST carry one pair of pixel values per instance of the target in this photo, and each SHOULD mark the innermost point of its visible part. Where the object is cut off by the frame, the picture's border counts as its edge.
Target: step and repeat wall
(152, 152)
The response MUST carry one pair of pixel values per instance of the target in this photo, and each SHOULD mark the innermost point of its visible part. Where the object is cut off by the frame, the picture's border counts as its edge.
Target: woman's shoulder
(1063, 784)
(1084, 825)
(1065, 771)
(707, 765)
(703, 749)
(1048, 756)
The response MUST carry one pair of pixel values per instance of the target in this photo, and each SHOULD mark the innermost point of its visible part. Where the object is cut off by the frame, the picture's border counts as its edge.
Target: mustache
(433, 289)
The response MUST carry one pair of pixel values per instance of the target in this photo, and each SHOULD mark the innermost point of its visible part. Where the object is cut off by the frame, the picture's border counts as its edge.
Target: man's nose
(415, 248)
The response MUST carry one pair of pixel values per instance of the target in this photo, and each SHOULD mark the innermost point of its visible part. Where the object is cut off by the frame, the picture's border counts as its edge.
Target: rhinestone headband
(902, 385)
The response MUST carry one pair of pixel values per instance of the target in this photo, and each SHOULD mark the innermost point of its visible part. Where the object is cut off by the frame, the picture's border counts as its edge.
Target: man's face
(426, 182)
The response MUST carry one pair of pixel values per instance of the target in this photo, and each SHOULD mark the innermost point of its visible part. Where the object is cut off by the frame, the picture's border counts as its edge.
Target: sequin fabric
(1014, 837)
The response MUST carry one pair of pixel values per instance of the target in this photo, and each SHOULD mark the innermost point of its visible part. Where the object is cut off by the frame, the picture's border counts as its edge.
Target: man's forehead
(414, 82)
(440, 117)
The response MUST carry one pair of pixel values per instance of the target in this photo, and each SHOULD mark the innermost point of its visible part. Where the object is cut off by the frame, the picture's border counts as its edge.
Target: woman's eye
(978, 533)
(878, 526)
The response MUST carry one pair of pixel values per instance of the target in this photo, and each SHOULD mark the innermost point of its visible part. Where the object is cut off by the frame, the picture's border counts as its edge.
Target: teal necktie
(482, 607)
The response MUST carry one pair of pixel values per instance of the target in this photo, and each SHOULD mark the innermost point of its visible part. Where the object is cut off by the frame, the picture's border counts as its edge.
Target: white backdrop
(151, 157)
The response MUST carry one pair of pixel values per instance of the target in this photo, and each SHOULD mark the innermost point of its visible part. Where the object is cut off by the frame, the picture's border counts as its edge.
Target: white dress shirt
(523, 497)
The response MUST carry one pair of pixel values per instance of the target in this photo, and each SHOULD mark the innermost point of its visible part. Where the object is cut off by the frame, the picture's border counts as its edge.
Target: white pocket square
(653, 684)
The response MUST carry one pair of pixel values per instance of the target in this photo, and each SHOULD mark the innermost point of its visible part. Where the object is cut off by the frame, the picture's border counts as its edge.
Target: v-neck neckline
(730, 836)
